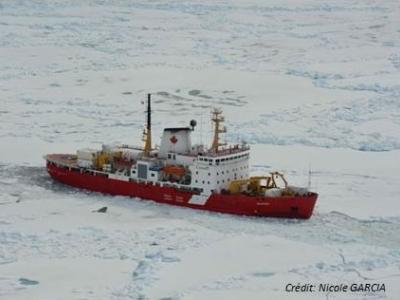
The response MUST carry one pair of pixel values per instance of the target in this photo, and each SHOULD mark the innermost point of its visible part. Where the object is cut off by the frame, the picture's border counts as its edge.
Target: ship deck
(69, 160)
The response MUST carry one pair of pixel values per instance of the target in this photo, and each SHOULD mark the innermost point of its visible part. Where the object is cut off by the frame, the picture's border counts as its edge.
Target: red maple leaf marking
(173, 139)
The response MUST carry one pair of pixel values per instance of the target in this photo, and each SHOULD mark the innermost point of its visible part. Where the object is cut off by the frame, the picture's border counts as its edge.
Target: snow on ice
(309, 84)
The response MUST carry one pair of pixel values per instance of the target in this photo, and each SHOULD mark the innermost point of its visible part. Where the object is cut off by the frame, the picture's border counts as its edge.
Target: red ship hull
(300, 207)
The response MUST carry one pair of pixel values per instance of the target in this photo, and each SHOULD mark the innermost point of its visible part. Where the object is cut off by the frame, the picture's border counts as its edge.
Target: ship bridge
(213, 171)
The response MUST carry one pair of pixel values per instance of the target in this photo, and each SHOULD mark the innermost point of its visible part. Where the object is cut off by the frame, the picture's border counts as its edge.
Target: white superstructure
(176, 162)
(213, 172)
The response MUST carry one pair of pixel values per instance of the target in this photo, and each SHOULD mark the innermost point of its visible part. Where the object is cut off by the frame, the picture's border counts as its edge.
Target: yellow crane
(256, 185)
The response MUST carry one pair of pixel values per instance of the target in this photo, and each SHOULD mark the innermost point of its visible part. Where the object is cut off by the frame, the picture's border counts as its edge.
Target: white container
(84, 163)
(87, 154)
(110, 148)
(130, 154)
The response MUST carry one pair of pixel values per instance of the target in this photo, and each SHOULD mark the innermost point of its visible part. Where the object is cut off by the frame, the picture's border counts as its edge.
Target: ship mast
(147, 132)
(218, 119)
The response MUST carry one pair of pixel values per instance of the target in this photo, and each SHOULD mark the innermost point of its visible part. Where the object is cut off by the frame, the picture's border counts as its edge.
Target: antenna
(201, 128)
(309, 177)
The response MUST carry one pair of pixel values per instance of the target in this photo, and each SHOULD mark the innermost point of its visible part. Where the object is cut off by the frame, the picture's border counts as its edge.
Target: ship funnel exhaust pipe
(148, 111)
(147, 145)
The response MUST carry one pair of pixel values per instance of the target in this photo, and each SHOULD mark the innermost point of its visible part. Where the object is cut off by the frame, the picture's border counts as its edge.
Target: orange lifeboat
(174, 170)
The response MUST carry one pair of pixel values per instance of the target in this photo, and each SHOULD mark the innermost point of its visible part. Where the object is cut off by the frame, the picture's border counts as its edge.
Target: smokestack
(148, 111)
(147, 145)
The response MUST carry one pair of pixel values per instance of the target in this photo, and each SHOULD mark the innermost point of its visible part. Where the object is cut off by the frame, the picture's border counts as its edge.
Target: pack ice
(310, 85)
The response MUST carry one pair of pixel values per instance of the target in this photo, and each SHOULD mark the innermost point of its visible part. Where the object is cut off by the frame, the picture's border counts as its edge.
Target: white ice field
(308, 83)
